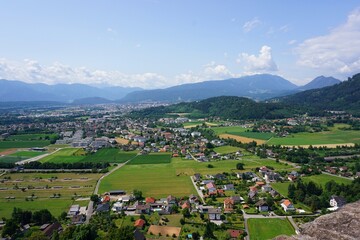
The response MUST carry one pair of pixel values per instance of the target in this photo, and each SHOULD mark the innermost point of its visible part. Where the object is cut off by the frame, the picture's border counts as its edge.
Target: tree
(42, 216)
(195, 235)
(137, 194)
(38, 235)
(186, 213)
(10, 228)
(240, 166)
(95, 198)
(55, 236)
(208, 234)
(85, 232)
(291, 191)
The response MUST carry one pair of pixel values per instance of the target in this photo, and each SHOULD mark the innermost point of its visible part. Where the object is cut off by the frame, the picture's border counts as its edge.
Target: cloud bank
(258, 64)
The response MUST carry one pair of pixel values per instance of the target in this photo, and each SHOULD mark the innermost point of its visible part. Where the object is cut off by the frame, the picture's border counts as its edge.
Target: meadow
(232, 129)
(268, 228)
(160, 180)
(152, 158)
(334, 136)
(255, 135)
(19, 156)
(44, 186)
(65, 155)
(226, 149)
(24, 144)
(110, 155)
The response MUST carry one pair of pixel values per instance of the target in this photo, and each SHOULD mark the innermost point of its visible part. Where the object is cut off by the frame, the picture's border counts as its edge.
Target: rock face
(341, 225)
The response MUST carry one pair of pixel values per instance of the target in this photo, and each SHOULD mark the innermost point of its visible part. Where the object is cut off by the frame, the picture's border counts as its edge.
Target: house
(197, 177)
(262, 206)
(337, 201)
(150, 200)
(78, 219)
(228, 205)
(117, 207)
(274, 193)
(214, 213)
(252, 194)
(235, 234)
(186, 204)
(171, 200)
(272, 177)
(103, 207)
(229, 187)
(74, 210)
(193, 198)
(105, 199)
(138, 235)
(220, 176)
(237, 199)
(139, 223)
(266, 188)
(49, 229)
(287, 206)
(143, 209)
(210, 185)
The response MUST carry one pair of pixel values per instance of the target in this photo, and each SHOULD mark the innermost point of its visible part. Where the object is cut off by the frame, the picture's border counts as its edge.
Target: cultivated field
(152, 158)
(164, 231)
(65, 155)
(241, 139)
(234, 130)
(160, 180)
(255, 135)
(268, 228)
(40, 188)
(19, 156)
(24, 144)
(330, 138)
(110, 155)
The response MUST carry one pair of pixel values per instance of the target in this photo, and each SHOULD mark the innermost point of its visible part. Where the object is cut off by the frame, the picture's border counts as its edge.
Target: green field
(31, 137)
(160, 180)
(256, 135)
(226, 149)
(152, 158)
(24, 144)
(268, 228)
(110, 155)
(334, 136)
(236, 129)
(322, 179)
(281, 187)
(19, 156)
(67, 184)
(65, 155)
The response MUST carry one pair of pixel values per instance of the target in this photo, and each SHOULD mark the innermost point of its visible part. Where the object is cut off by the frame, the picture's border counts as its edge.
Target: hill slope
(260, 86)
(343, 96)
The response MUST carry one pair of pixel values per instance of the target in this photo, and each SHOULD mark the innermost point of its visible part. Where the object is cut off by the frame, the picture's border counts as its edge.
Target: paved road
(90, 207)
(201, 195)
(37, 158)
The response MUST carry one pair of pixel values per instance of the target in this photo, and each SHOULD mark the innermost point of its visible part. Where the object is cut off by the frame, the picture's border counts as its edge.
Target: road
(37, 158)
(201, 195)
(90, 207)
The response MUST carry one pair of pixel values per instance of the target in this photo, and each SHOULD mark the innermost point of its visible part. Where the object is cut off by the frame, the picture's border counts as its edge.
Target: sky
(157, 44)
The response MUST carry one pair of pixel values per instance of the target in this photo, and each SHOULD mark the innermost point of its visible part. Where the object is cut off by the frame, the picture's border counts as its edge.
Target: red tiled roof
(235, 233)
(150, 200)
(139, 223)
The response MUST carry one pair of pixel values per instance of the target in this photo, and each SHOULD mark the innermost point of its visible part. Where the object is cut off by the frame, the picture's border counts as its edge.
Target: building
(139, 223)
(287, 205)
(337, 201)
(262, 206)
(214, 213)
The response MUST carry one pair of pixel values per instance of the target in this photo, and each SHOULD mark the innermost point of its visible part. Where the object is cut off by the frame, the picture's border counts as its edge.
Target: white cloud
(337, 52)
(32, 71)
(258, 64)
(110, 30)
(292, 42)
(250, 25)
(284, 28)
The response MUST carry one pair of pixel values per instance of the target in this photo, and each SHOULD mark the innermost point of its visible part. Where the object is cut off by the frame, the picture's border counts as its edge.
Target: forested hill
(225, 107)
(343, 96)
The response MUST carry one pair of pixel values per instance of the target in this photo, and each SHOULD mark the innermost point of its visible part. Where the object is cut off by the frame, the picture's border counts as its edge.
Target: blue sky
(154, 44)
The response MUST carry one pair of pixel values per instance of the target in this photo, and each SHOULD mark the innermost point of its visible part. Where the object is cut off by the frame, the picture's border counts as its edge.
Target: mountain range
(21, 91)
(257, 87)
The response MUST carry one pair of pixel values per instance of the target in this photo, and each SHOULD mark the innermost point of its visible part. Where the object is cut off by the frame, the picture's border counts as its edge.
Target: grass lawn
(27, 154)
(281, 188)
(268, 228)
(256, 135)
(235, 129)
(110, 155)
(322, 179)
(226, 149)
(152, 158)
(30, 137)
(43, 186)
(24, 144)
(334, 136)
(65, 155)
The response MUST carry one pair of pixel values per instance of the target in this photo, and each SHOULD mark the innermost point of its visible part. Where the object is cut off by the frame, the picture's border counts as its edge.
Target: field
(24, 144)
(43, 186)
(281, 188)
(30, 137)
(241, 139)
(110, 155)
(235, 130)
(160, 180)
(255, 135)
(268, 228)
(334, 137)
(65, 155)
(18, 156)
(152, 158)
(226, 149)
(322, 179)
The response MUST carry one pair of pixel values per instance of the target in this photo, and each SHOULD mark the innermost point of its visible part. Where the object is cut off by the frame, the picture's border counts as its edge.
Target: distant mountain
(91, 101)
(21, 91)
(259, 87)
(320, 82)
(342, 96)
